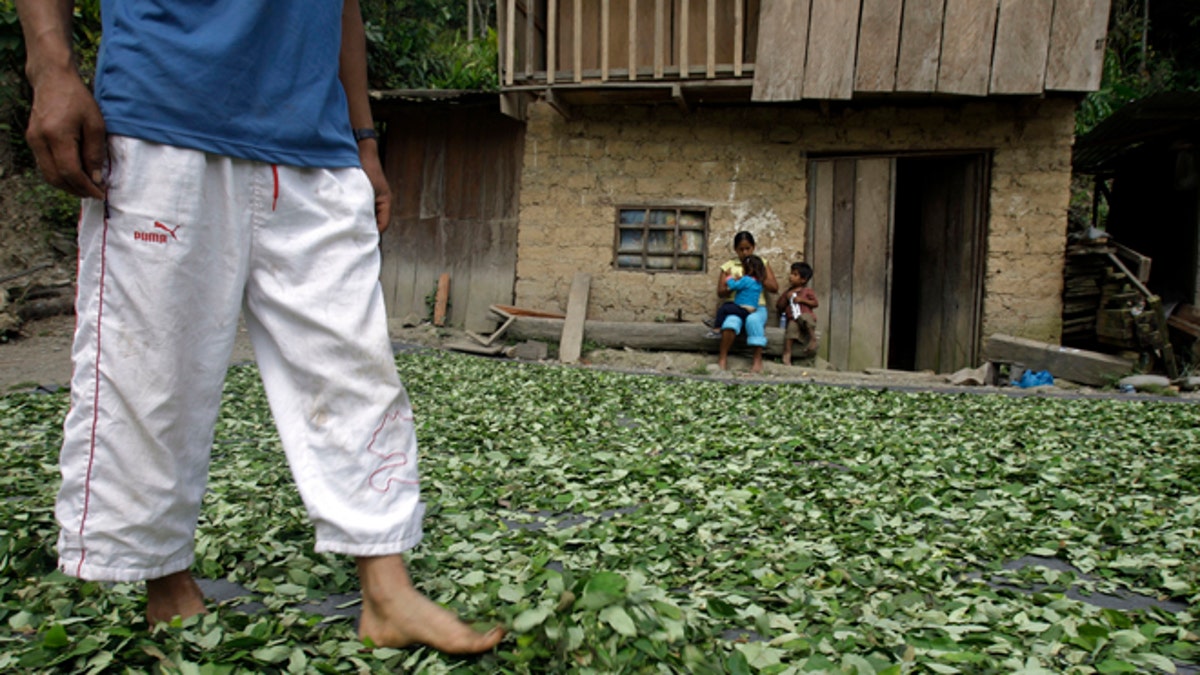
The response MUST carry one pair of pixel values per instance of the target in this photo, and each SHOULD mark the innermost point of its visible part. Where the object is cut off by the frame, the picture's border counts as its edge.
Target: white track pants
(184, 242)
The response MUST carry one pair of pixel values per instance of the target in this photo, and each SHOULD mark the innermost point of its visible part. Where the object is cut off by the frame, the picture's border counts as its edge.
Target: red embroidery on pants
(87, 482)
(391, 465)
(275, 175)
(168, 230)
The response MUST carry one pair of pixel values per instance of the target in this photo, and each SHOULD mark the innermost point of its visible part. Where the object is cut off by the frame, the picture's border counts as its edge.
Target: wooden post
(632, 40)
(441, 300)
(658, 39)
(578, 20)
(738, 47)
(683, 38)
(604, 19)
(510, 41)
(711, 33)
(530, 34)
(551, 40)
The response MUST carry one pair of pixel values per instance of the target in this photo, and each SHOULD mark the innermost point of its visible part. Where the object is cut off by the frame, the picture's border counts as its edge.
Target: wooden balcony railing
(563, 42)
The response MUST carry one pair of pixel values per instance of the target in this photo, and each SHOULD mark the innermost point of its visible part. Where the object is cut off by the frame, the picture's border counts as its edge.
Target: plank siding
(920, 46)
(1076, 58)
(832, 43)
(1022, 38)
(453, 175)
(811, 49)
(970, 29)
(782, 45)
(878, 45)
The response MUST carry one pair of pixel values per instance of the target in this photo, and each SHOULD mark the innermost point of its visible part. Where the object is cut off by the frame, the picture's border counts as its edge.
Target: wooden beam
(679, 98)
(560, 106)
(571, 342)
(688, 337)
(1076, 365)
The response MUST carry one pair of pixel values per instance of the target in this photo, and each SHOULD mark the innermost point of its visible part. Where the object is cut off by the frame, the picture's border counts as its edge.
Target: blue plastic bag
(1032, 379)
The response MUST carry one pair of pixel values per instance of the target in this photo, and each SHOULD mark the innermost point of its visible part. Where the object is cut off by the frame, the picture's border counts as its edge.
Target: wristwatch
(364, 134)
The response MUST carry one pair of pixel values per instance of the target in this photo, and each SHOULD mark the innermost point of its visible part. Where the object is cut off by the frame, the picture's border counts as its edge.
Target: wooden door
(849, 247)
(897, 249)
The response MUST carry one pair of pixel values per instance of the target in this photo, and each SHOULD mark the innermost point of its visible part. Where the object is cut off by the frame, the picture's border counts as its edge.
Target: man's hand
(66, 130)
(368, 153)
(66, 134)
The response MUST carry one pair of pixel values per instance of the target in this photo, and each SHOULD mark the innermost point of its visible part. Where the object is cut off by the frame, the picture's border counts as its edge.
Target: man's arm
(66, 130)
(353, 73)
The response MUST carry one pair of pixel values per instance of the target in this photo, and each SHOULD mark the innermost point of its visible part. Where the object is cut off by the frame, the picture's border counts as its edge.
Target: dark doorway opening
(937, 263)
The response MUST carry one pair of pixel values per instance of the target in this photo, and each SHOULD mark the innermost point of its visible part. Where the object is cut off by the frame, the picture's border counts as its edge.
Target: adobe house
(917, 154)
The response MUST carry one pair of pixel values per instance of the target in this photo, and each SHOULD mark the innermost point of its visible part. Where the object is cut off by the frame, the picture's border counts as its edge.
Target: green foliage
(422, 44)
(621, 523)
(57, 209)
(1143, 58)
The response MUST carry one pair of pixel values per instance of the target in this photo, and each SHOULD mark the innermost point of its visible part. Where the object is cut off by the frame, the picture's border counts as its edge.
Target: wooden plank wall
(964, 68)
(879, 26)
(454, 174)
(810, 48)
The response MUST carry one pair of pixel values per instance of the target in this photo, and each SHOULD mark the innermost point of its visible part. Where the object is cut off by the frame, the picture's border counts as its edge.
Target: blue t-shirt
(254, 79)
(746, 290)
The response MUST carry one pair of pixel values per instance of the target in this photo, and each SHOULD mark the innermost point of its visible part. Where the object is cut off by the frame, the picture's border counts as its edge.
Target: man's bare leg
(787, 351)
(395, 614)
(175, 595)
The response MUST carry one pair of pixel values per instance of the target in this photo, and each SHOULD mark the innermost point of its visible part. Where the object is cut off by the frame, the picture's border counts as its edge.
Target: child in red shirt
(797, 304)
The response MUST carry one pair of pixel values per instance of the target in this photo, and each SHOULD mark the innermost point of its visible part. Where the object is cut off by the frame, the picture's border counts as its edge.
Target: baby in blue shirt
(746, 291)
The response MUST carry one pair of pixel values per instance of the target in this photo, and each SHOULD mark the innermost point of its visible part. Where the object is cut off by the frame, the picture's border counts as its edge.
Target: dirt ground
(41, 358)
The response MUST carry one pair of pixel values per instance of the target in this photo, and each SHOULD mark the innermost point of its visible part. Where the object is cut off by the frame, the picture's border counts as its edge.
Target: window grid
(661, 239)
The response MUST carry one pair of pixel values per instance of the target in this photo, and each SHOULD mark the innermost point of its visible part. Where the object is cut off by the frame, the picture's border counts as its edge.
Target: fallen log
(646, 336)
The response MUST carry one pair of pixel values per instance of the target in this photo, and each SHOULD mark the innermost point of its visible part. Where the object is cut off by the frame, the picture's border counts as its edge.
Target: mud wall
(749, 166)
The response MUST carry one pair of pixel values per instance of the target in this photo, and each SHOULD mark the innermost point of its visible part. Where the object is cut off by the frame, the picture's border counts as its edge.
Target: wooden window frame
(675, 228)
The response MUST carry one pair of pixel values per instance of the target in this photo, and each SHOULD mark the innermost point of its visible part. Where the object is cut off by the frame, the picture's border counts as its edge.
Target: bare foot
(757, 365)
(787, 359)
(175, 595)
(395, 614)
